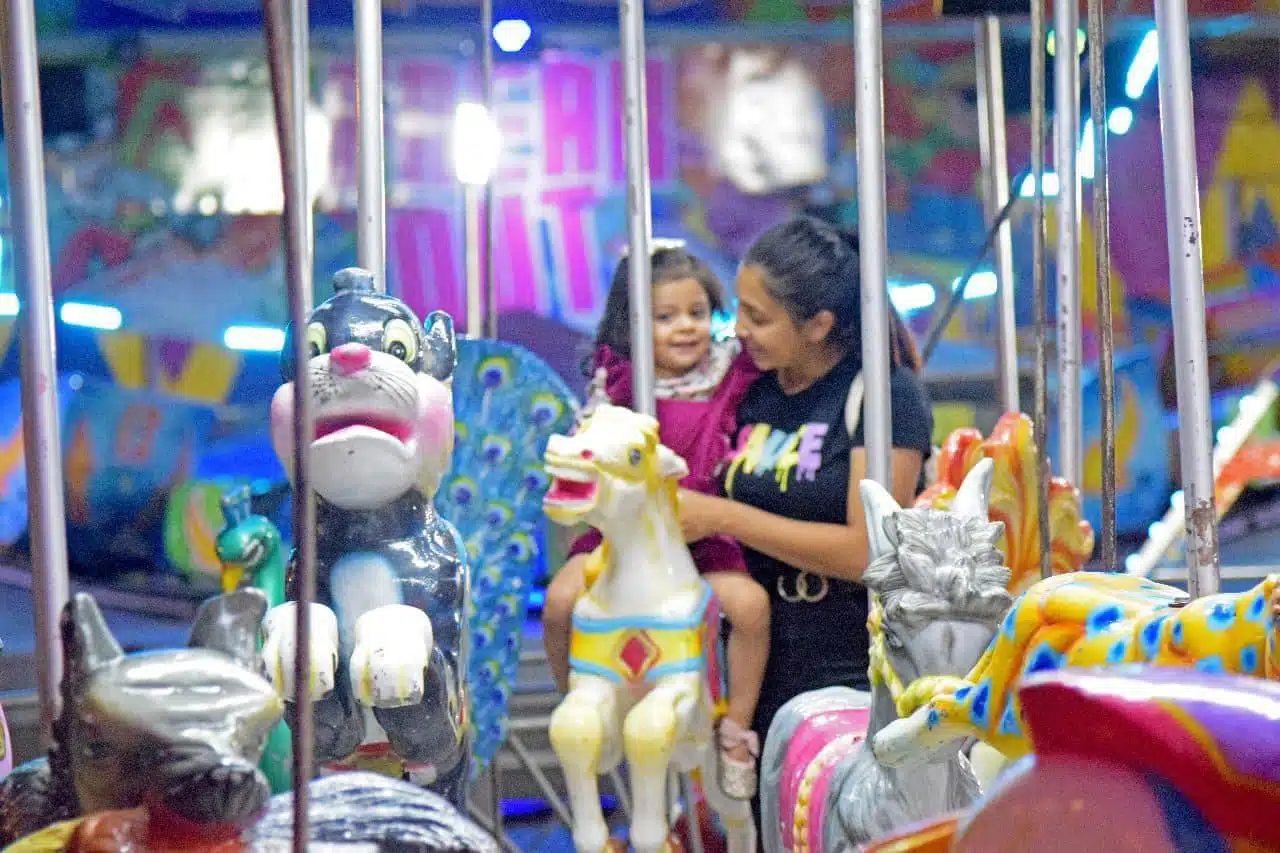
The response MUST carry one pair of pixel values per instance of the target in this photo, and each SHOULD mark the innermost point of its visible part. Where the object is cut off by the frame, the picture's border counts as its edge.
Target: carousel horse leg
(580, 728)
(649, 740)
(393, 646)
(279, 649)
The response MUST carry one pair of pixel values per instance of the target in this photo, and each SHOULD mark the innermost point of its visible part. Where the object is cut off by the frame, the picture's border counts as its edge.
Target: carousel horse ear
(87, 642)
(440, 355)
(671, 465)
(879, 507)
(229, 623)
(971, 499)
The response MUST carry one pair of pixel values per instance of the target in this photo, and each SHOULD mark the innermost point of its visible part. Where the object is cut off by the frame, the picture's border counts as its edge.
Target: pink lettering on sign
(660, 152)
(574, 248)
(424, 254)
(516, 264)
(427, 93)
(569, 117)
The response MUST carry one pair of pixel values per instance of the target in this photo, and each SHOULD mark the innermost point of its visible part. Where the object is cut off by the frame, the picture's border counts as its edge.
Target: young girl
(700, 383)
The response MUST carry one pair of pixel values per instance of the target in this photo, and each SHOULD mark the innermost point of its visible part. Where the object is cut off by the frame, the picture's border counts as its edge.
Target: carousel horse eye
(892, 640)
(316, 339)
(399, 340)
(635, 456)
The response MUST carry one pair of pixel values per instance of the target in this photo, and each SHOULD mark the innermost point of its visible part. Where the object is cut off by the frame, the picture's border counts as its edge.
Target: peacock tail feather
(507, 403)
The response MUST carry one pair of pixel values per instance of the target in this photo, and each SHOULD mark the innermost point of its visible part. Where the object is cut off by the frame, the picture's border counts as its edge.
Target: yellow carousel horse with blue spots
(1083, 619)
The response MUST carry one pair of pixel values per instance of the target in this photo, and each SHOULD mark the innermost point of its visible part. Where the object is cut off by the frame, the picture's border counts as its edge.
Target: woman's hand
(697, 515)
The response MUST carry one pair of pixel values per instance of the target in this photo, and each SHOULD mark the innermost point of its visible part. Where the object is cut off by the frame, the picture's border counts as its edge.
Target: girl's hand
(697, 515)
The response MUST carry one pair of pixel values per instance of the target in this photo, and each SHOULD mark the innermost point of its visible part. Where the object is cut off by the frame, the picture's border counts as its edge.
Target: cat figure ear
(441, 353)
(230, 624)
(87, 642)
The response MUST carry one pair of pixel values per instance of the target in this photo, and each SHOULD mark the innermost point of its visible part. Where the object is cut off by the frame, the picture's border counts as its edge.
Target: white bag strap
(853, 416)
(853, 405)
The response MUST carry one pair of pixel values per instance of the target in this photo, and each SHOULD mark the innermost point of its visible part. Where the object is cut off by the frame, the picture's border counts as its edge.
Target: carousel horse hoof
(738, 779)
(590, 836)
(389, 663)
(279, 649)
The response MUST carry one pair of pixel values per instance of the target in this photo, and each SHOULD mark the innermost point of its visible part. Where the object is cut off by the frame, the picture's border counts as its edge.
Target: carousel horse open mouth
(572, 487)
(401, 429)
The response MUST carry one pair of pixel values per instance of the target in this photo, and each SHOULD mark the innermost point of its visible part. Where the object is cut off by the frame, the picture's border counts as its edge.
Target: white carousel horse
(940, 588)
(641, 644)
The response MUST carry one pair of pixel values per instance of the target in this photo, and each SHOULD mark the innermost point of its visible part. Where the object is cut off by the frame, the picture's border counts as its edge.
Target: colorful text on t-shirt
(790, 456)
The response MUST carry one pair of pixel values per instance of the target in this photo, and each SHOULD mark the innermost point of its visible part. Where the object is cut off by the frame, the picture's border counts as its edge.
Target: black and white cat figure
(389, 639)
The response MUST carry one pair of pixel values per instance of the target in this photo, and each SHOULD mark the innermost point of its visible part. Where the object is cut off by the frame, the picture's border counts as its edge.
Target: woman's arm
(835, 550)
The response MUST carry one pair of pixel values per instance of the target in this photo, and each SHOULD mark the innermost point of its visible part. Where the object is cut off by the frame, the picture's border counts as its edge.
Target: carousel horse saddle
(642, 649)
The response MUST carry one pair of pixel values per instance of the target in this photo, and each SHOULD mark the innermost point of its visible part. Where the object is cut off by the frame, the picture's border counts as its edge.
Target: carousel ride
(369, 647)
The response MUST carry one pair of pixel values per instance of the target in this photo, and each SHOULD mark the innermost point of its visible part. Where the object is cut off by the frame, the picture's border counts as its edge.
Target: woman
(791, 486)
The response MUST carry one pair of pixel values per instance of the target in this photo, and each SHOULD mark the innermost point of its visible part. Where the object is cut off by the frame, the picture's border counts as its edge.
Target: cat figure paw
(279, 649)
(388, 665)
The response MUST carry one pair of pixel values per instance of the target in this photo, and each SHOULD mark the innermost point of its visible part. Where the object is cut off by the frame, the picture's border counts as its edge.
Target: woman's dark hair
(812, 266)
(667, 264)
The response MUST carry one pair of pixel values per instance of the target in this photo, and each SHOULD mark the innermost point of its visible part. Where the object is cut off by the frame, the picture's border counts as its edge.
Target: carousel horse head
(182, 729)
(179, 731)
(940, 582)
(380, 391)
(612, 469)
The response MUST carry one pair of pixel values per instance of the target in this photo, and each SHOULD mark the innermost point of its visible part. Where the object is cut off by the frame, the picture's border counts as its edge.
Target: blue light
(91, 316)
(253, 338)
(908, 297)
(1049, 182)
(512, 35)
(1120, 121)
(84, 314)
(1085, 154)
(1142, 67)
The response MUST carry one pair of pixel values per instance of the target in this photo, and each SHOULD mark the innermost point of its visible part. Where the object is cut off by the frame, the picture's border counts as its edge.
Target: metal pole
(285, 17)
(41, 434)
(299, 29)
(486, 91)
(371, 192)
(1102, 253)
(639, 203)
(1186, 274)
(995, 169)
(1066, 141)
(475, 286)
(869, 119)
(1039, 289)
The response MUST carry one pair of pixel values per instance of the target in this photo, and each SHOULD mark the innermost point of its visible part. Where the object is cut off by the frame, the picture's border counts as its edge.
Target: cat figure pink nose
(350, 358)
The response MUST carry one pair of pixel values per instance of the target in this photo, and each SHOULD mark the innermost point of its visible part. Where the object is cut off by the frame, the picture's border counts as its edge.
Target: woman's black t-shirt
(791, 459)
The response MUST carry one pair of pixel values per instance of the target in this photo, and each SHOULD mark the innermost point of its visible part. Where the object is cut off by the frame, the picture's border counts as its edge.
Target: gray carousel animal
(940, 588)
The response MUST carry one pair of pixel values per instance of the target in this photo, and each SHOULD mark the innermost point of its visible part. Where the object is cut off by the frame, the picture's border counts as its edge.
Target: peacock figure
(251, 553)
(507, 402)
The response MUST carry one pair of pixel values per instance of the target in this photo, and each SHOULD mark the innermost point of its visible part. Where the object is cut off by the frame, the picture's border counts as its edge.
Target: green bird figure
(252, 554)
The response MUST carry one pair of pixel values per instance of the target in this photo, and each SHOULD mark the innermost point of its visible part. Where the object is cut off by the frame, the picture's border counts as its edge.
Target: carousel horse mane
(943, 565)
